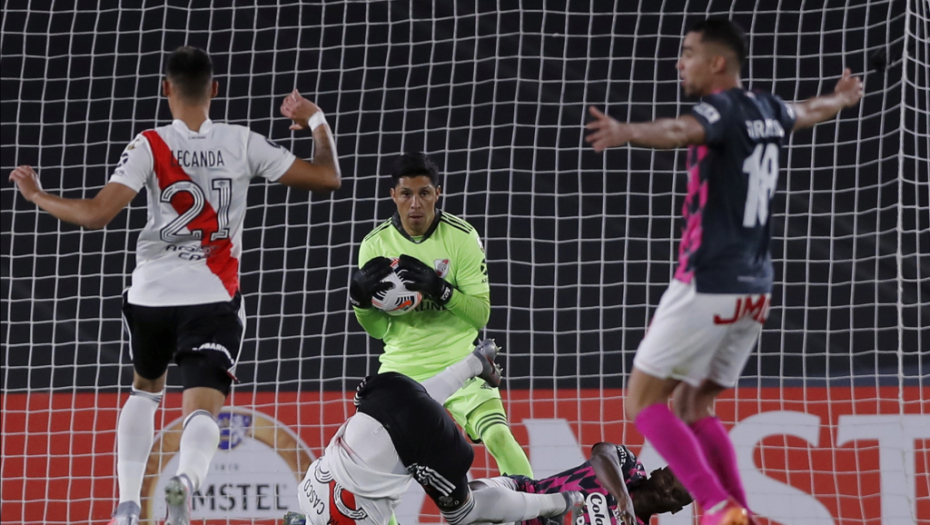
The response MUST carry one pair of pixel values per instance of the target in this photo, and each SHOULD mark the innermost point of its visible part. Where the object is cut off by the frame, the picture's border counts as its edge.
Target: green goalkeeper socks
(489, 423)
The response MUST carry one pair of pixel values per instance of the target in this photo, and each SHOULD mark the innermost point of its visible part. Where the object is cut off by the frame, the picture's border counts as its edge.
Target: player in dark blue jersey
(710, 317)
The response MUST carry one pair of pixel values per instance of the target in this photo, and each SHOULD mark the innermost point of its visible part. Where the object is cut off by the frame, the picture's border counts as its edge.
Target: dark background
(580, 245)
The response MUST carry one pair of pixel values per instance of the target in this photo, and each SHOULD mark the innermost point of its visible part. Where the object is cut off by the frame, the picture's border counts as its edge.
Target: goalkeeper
(441, 256)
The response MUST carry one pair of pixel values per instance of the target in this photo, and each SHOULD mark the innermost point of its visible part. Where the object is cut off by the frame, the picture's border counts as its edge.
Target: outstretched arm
(607, 469)
(90, 213)
(813, 111)
(666, 133)
(322, 174)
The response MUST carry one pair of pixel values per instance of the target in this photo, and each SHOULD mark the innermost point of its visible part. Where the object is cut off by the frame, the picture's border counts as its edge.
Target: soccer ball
(396, 300)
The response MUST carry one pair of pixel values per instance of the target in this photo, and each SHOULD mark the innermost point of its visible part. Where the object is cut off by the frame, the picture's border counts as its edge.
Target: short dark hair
(724, 32)
(415, 164)
(190, 70)
(661, 492)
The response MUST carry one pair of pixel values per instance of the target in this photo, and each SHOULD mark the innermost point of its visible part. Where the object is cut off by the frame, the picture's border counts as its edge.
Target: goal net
(830, 418)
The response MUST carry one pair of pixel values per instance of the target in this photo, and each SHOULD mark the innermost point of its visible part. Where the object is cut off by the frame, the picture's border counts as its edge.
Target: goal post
(830, 418)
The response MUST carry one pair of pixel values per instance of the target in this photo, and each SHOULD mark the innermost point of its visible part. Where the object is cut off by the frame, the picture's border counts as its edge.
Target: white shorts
(696, 336)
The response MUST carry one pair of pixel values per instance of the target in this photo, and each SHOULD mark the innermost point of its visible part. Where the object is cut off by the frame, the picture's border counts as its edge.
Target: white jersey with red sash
(197, 182)
(359, 480)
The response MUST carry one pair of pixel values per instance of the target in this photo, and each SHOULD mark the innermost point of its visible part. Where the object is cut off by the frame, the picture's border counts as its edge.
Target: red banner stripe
(59, 454)
(219, 252)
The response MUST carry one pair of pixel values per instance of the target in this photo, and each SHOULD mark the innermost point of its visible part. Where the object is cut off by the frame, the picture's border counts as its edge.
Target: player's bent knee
(197, 413)
(477, 484)
(151, 385)
(680, 409)
(633, 405)
(686, 416)
(154, 397)
(685, 412)
(693, 403)
(485, 418)
(631, 409)
(683, 401)
(146, 372)
(497, 436)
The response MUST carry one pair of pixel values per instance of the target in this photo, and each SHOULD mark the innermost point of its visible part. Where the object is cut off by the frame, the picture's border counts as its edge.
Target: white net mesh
(580, 245)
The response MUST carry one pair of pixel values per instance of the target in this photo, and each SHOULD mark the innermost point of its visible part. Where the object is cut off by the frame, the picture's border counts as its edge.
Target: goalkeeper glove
(367, 281)
(421, 278)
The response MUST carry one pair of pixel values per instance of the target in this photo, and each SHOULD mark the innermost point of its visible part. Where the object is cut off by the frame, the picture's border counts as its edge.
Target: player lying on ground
(614, 484)
(184, 304)
(709, 319)
(401, 433)
(442, 257)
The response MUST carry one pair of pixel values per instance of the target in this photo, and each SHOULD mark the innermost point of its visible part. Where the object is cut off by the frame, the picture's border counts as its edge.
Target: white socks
(135, 433)
(500, 481)
(453, 378)
(199, 440)
(496, 504)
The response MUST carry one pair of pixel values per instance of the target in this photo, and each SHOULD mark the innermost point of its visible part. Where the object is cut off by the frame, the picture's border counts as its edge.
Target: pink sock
(718, 449)
(672, 438)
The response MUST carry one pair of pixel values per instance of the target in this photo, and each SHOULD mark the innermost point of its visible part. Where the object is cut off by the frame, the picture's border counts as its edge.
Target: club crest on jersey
(442, 267)
(136, 141)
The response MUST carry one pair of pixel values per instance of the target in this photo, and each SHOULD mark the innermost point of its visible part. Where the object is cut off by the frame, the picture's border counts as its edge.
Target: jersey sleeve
(786, 113)
(365, 253)
(630, 465)
(135, 164)
(711, 113)
(471, 276)
(267, 159)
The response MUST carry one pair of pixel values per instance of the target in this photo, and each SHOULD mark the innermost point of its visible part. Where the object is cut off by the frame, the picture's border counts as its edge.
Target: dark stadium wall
(502, 122)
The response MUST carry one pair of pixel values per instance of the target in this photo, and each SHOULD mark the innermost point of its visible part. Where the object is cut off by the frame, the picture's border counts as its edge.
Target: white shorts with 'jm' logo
(696, 336)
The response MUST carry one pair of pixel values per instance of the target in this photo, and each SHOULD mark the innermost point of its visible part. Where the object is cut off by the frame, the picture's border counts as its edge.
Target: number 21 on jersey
(762, 170)
(170, 233)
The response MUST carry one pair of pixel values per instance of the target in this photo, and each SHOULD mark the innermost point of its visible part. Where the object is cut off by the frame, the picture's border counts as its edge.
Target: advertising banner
(811, 455)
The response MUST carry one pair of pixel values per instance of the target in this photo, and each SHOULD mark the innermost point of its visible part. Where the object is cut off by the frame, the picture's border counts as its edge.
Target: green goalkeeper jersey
(423, 342)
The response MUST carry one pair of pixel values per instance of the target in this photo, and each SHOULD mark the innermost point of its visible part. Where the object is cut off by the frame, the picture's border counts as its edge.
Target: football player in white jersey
(401, 433)
(184, 304)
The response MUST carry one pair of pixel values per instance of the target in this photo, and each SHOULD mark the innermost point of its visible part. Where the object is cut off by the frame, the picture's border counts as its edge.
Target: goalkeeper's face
(416, 199)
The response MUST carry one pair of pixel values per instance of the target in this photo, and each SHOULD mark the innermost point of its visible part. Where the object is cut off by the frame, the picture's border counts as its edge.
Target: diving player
(401, 433)
(614, 483)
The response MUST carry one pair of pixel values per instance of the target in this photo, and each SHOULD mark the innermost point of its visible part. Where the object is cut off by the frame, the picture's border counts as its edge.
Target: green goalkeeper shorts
(471, 396)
